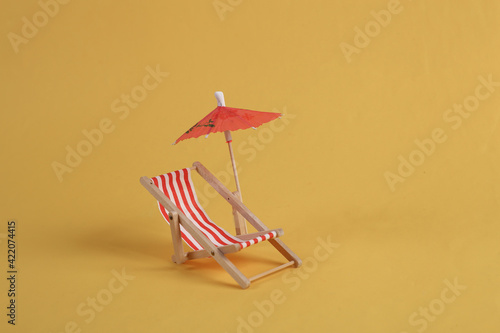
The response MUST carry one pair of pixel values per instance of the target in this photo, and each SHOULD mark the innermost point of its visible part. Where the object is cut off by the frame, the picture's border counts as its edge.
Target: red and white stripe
(178, 187)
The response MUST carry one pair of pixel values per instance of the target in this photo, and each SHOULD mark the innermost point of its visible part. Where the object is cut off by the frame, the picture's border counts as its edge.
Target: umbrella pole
(239, 221)
(219, 96)
(229, 139)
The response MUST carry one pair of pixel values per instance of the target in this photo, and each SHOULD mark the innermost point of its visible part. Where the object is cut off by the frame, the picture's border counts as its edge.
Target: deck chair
(188, 221)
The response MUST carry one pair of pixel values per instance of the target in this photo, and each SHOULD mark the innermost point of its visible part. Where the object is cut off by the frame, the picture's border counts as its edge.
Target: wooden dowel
(273, 270)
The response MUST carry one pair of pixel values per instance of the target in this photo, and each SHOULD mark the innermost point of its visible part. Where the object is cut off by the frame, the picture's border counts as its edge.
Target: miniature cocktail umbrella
(226, 119)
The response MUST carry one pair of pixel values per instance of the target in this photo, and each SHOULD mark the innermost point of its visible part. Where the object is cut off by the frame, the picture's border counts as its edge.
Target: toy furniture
(188, 221)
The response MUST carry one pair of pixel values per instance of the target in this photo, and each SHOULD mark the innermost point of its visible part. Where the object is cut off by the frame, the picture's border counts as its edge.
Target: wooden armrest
(245, 237)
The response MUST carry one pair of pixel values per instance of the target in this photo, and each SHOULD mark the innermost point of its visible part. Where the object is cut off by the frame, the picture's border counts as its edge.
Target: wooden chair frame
(178, 218)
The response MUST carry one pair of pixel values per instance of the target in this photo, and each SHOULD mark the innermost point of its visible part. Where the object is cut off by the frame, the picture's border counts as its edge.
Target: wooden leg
(179, 256)
(236, 274)
(286, 252)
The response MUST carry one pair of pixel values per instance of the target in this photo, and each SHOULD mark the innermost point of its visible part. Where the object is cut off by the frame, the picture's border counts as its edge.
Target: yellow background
(320, 175)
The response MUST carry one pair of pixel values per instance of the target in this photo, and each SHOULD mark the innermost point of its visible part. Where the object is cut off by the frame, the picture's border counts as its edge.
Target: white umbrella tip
(219, 96)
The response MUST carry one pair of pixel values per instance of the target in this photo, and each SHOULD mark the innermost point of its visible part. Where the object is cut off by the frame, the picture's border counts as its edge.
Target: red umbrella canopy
(224, 118)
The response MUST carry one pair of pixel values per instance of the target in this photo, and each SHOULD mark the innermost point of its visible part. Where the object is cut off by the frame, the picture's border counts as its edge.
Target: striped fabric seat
(178, 187)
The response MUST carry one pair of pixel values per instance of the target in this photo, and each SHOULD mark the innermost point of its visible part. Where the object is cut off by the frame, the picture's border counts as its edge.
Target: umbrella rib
(237, 115)
(215, 118)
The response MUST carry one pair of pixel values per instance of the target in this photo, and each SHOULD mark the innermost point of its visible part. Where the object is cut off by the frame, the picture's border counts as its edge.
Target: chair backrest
(178, 187)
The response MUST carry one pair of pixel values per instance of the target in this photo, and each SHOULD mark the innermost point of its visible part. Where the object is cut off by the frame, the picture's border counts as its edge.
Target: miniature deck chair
(179, 206)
